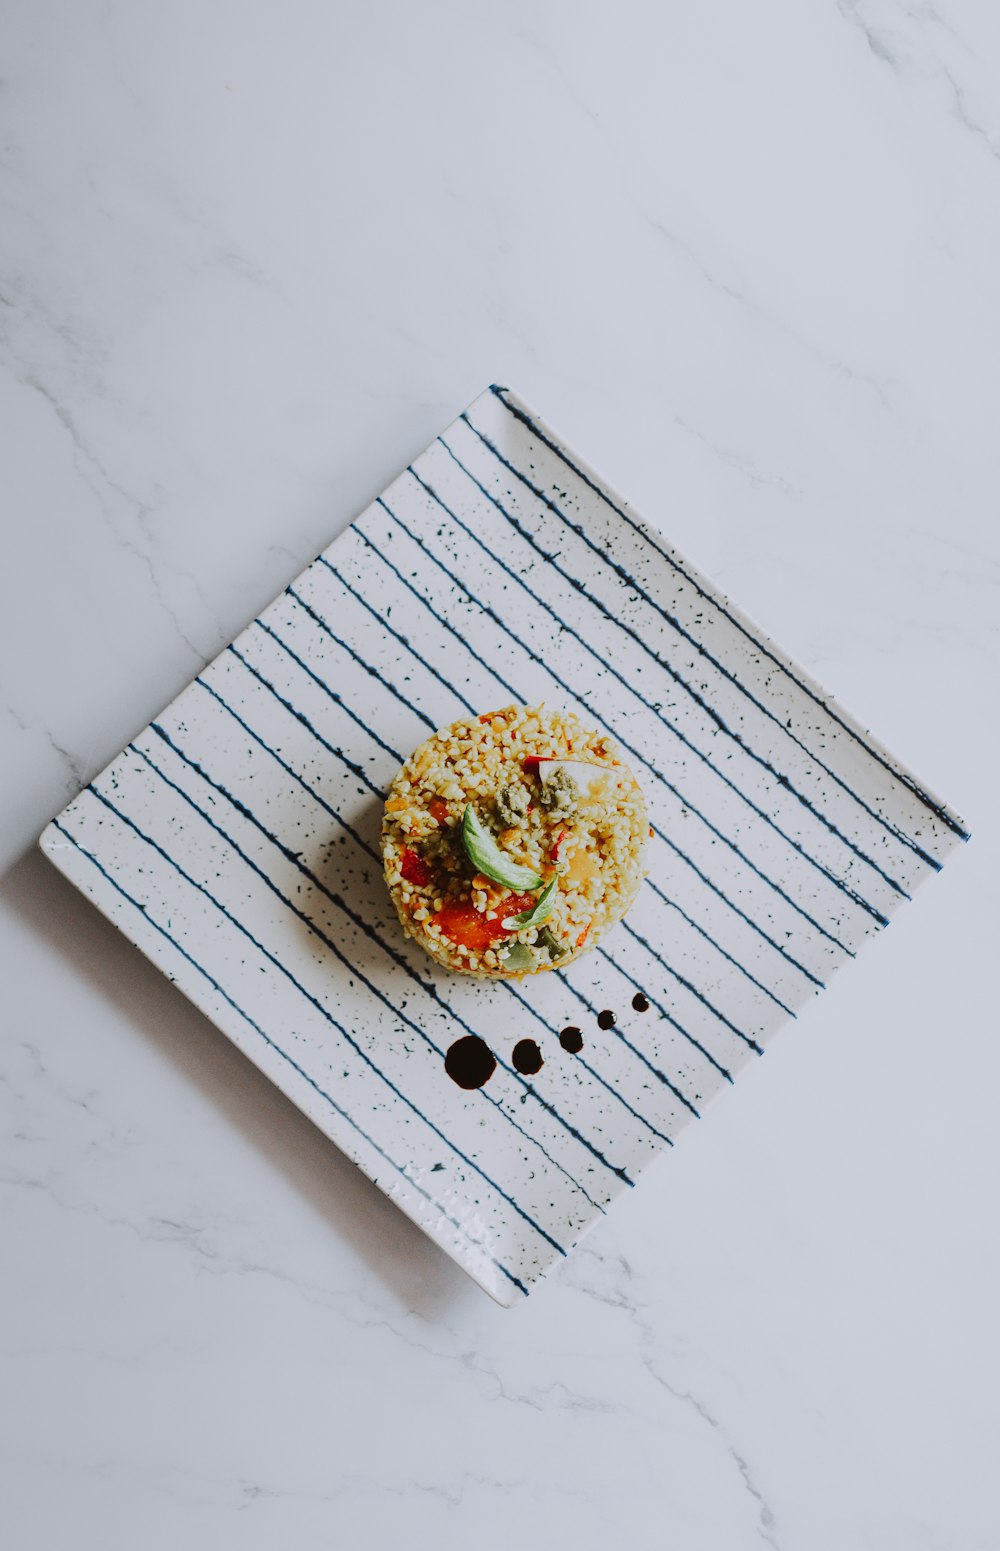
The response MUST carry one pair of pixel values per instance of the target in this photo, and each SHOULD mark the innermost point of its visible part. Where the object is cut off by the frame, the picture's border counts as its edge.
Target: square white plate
(235, 841)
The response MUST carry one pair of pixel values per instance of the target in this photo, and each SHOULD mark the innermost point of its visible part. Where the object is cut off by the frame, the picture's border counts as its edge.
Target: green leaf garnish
(517, 957)
(539, 912)
(487, 857)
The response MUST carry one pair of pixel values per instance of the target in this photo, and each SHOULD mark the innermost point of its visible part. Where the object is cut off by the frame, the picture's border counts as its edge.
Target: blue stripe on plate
(462, 640)
(690, 986)
(403, 640)
(372, 671)
(332, 693)
(719, 948)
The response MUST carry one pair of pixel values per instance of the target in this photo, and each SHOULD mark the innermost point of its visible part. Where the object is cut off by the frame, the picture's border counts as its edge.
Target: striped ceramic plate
(235, 841)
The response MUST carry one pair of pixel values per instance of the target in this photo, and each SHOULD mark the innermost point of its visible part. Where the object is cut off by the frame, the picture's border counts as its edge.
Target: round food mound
(536, 797)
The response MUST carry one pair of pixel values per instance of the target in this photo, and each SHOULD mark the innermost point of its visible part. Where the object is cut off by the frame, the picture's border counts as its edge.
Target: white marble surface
(252, 257)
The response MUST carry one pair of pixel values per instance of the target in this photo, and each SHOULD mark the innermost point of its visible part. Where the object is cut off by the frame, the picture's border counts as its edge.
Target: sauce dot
(640, 1003)
(606, 1019)
(470, 1062)
(527, 1057)
(572, 1040)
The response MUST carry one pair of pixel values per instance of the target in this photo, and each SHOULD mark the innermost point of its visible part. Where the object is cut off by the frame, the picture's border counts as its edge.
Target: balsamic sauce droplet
(527, 1057)
(572, 1040)
(640, 1003)
(470, 1062)
(606, 1019)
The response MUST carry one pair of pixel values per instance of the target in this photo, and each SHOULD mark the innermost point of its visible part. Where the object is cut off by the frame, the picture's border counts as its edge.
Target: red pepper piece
(460, 921)
(513, 905)
(415, 869)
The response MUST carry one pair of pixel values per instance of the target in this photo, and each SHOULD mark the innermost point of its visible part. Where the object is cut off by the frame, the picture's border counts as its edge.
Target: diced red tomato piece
(415, 869)
(438, 809)
(554, 853)
(531, 764)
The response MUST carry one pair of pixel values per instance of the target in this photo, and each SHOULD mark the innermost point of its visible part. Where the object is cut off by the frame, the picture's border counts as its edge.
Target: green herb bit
(512, 803)
(547, 939)
(560, 794)
(487, 857)
(539, 912)
(517, 957)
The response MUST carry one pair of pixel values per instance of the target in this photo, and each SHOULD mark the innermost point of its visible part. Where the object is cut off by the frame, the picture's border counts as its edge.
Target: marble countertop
(252, 257)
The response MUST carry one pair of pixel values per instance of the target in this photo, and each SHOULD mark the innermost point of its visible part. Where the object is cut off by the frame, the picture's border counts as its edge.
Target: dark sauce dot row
(470, 1062)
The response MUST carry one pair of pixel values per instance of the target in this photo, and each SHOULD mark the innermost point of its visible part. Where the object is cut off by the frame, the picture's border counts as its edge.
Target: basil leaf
(487, 857)
(539, 912)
